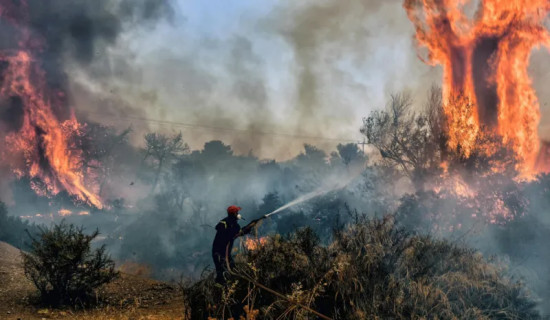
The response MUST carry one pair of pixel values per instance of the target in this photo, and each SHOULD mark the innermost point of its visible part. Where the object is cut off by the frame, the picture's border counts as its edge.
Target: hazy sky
(312, 69)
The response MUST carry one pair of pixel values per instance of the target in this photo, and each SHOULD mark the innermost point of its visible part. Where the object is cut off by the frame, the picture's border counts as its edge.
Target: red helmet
(233, 210)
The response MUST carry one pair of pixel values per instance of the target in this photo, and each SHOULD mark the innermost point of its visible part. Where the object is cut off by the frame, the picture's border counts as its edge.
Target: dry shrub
(372, 269)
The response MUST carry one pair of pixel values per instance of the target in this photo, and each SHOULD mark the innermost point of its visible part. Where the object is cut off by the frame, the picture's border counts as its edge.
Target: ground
(129, 297)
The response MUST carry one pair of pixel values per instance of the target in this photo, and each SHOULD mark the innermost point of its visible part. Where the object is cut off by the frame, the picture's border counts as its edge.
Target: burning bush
(63, 266)
(372, 269)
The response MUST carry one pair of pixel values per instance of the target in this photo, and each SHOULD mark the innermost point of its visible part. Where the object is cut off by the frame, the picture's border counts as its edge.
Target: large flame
(42, 140)
(485, 58)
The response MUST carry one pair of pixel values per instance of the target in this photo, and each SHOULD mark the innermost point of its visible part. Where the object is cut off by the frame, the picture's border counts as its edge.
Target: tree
(99, 145)
(405, 139)
(63, 267)
(270, 202)
(437, 120)
(349, 153)
(161, 149)
(216, 150)
(312, 156)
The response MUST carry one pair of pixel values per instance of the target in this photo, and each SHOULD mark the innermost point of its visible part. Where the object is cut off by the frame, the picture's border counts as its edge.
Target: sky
(264, 76)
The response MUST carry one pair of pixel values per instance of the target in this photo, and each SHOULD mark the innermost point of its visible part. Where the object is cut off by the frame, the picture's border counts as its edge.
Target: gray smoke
(312, 69)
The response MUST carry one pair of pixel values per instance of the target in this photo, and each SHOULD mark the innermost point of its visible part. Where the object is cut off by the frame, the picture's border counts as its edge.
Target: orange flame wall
(41, 142)
(485, 60)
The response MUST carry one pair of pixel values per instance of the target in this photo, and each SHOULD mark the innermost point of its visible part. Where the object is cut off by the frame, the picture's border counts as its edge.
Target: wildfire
(42, 140)
(254, 243)
(485, 81)
(65, 212)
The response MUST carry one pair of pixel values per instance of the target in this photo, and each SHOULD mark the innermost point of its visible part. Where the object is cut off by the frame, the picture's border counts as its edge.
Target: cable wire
(239, 130)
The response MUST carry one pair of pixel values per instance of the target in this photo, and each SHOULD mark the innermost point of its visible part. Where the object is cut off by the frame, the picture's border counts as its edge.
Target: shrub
(63, 266)
(372, 269)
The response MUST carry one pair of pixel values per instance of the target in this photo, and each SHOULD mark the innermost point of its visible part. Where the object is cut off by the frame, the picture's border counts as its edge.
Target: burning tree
(38, 144)
(486, 87)
(406, 139)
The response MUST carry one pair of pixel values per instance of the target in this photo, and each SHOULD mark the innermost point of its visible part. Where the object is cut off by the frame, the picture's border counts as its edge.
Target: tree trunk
(159, 168)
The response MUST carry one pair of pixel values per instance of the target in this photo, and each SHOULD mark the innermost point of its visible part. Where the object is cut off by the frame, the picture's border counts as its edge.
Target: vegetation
(12, 229)
(194, 189)
(161, 149)
(372, 269)
(169, 196)
(63, 266)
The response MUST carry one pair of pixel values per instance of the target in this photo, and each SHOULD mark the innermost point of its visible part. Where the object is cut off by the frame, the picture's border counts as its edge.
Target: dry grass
(372, 269)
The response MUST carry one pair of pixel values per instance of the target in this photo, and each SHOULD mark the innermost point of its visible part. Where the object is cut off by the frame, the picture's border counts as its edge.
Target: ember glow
(65, 212)
(254, 243)
(40, 145)
(485, 81)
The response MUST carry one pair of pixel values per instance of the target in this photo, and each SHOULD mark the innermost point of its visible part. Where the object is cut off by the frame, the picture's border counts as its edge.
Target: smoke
(332, 184)
(315, 33)
(260, 77)
(539, 69)
(76, 31)
(83, 31)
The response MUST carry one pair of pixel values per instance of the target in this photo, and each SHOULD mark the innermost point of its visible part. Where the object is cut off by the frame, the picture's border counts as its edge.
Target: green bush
(372, 269)
(63, 266)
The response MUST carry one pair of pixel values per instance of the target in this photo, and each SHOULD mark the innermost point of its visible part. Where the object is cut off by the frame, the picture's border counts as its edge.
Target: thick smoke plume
(79, 31)
(271, 80)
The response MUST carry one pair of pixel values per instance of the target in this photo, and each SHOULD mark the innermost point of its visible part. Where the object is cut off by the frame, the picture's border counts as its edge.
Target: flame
(485, 81)
(254, 243)
(65, 212)
(42, 141)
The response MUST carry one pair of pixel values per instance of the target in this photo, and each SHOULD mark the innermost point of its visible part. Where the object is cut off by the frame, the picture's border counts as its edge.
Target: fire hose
(259, 285)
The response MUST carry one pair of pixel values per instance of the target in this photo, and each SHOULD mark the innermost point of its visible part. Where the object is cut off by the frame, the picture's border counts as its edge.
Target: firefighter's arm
(248, 228)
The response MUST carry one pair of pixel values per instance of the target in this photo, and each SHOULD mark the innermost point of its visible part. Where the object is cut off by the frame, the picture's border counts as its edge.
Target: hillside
(129, 297)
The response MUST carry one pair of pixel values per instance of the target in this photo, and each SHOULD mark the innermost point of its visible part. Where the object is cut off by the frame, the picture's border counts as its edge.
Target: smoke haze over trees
(164, 199)
(186, 112)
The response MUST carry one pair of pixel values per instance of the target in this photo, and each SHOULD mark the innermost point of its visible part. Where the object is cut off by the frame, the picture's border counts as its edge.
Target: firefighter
(227, 230)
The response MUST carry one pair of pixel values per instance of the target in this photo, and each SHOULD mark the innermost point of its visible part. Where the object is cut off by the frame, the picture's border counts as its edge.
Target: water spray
(329, 187)
(301, 199)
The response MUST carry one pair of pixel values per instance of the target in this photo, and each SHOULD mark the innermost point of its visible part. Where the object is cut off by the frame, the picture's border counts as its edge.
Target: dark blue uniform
(228, 230)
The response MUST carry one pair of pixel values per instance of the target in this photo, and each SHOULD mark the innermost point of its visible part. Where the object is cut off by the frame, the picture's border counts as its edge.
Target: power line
(247, 131)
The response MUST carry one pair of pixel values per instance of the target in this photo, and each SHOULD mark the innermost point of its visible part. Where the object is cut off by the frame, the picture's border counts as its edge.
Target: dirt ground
(129, 297)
